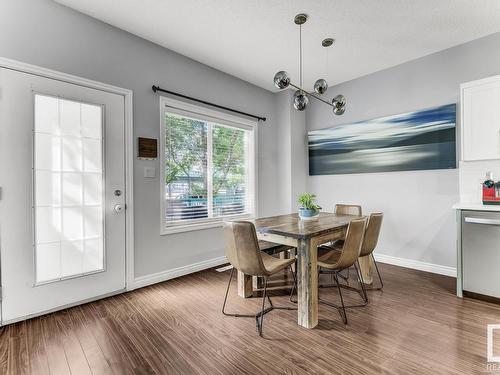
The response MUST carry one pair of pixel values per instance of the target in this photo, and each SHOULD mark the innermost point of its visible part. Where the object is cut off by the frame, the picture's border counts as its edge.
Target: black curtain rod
(158, 88)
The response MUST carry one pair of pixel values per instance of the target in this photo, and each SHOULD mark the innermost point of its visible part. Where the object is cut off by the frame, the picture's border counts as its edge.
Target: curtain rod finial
(154, 88)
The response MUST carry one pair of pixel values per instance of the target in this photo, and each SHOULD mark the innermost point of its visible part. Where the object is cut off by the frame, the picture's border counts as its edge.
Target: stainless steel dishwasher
(481, 252)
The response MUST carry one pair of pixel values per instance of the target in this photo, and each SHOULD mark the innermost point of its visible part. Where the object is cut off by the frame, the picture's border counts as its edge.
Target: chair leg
(361, 282)
(227, 292)
(346, 276)
(294, 286)
(378, 273)
(379, 276)
(225, 301)
(261, 314)
(343, 313)
(342, 307)
(259, 317)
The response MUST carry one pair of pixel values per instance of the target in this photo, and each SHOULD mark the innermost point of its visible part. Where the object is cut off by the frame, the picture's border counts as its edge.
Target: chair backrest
(372, 233)
(242, 247)
(353, 242)
(347, 209)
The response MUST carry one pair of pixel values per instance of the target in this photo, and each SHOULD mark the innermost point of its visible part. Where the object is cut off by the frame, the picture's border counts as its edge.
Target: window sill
(216, 223)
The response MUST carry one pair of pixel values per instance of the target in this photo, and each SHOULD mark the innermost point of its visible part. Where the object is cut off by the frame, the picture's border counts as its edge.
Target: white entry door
(62, 179)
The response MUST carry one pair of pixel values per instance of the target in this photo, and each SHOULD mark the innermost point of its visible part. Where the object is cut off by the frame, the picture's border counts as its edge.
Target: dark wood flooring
(415, 326)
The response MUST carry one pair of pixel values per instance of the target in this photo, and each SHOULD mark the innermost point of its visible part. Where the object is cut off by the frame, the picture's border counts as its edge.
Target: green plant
(306, 201)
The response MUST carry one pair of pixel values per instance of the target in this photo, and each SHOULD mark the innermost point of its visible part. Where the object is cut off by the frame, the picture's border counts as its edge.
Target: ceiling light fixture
(301, 97)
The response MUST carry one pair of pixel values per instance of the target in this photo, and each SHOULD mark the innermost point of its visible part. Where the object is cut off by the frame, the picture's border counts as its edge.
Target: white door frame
(129, 146)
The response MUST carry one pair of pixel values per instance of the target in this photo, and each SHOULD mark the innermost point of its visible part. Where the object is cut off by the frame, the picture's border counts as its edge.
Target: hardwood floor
(415, 326)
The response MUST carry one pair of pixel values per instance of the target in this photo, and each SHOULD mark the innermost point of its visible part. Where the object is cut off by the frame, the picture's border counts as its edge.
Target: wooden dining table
(305, 236)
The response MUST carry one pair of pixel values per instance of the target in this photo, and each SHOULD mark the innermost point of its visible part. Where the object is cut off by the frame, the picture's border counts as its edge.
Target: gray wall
(419, 222)
(292, 159)
(47, 34)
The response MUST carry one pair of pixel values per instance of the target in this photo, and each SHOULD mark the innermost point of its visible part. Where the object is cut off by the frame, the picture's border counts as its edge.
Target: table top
(292, 226)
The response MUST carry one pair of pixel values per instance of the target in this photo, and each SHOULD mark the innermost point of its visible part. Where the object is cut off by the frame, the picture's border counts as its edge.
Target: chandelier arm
(311, 94)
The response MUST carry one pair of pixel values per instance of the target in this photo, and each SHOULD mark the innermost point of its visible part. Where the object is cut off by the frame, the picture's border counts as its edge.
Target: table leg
(307, 280)
(245, 288)
(366, 266)
(258, 282)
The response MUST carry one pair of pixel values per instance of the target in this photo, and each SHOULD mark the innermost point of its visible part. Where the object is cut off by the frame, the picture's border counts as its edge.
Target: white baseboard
(158, 277)
(416, 265)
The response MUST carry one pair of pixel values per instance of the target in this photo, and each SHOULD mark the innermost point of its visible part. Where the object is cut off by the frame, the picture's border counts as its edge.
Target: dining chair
(341, 209)
(348, 209)
(242, 251)
(336, 261)
(271, 248)
(370, 241)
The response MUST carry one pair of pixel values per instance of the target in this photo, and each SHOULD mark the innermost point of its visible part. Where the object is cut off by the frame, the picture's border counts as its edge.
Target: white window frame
(222, 118)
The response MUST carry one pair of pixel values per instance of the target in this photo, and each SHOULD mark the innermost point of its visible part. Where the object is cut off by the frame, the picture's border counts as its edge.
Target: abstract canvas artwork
(423, 139)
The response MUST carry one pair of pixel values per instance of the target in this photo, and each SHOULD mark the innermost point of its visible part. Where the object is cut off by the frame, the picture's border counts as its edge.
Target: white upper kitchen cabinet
(480, 115)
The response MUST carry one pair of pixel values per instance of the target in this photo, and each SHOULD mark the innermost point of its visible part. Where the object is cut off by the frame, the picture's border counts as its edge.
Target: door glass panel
(68, 188)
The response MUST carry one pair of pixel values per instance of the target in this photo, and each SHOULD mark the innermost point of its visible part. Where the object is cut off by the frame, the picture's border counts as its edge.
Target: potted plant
(308, 209)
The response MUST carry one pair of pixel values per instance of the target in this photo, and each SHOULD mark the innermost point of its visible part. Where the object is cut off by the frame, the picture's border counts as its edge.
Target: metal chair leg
(225, 301)
(342, 307)
(261, 314)
(361, 283)
(259, 317)
(379, 277)
(294, 287)
(343, 314)
(378, 273)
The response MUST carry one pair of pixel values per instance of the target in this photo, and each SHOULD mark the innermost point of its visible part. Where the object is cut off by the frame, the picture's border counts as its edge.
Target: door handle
(118, 208)
(477, 220)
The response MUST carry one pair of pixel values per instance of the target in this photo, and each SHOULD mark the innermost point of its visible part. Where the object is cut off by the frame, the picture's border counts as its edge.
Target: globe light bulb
(300, 100)
(320, 86)
(281, 80)
(339, 104)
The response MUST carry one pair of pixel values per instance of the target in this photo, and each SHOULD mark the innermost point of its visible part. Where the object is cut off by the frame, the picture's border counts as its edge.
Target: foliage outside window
(207, 170)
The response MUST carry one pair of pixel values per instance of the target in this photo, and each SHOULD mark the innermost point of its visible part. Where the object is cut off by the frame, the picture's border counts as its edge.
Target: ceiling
(253, 39)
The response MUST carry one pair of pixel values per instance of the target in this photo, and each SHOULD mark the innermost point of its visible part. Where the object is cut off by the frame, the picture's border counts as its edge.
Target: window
(68, 189)
(208, 171)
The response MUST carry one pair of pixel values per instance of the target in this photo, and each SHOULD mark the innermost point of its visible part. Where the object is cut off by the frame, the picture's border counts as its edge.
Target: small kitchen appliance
(491, 190)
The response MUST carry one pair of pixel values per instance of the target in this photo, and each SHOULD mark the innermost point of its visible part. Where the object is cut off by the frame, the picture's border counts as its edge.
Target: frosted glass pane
(93, 155)
(94, 255)
(72, 223)
(72, 186)
(48, 224)
(91, 121)
(47, 152)
(93, 221)
(72, 154)
(71, 258)
(48, 262)
(48, 188)
(69, 112)
(68, 188)
(92, 189)
(46, 114)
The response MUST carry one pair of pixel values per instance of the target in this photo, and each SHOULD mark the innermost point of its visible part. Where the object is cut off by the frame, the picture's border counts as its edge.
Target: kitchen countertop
(476, 206)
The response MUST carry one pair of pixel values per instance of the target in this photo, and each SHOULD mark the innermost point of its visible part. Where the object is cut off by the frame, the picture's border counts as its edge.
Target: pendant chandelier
(301, 97)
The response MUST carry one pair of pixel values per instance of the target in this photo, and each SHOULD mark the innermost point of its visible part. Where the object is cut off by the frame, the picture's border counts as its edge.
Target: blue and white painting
(423, 139)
